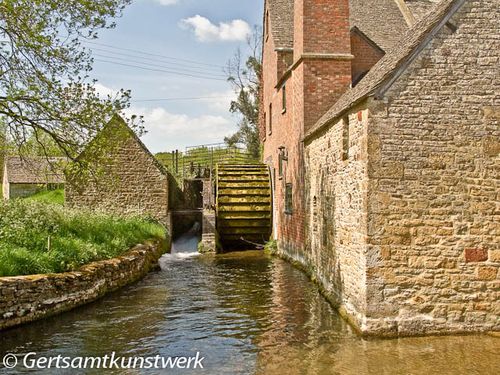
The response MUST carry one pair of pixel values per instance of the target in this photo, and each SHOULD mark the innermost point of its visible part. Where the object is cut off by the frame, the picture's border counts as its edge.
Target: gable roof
(118, 122)
(34, 170)
(420, 8)
(392, 65)
(380, 20)
(281, 22)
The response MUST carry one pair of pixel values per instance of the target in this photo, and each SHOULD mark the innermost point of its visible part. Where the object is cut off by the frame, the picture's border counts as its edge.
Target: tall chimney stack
(322, 54)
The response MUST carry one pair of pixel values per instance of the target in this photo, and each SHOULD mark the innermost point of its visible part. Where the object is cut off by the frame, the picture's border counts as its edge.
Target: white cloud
(105, 91)
(167, 2)
(206, 31)
(168, 131)
(220, 101)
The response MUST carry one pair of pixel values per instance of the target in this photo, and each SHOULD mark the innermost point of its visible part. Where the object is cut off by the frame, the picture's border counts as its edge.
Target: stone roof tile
(281, 19)
(420, 8)
(34, 170)
(389, 65)
(380, 20)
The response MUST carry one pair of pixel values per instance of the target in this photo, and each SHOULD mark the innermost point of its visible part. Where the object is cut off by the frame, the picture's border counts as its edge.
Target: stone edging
(25, 299)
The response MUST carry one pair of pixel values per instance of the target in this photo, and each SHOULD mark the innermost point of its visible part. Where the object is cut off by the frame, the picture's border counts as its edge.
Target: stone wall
(25, 299)
(336, 201)
(209, 236)
(126, 178)
(405, 228)
(434, 223)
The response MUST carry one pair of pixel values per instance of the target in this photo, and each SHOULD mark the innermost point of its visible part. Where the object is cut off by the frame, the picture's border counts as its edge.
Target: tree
(244, 76)
(46, 94)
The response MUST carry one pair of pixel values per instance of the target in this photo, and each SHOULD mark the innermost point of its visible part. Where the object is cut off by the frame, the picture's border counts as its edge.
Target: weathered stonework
(127, 179)
(208, 243)
(405, 231)
(25, 299)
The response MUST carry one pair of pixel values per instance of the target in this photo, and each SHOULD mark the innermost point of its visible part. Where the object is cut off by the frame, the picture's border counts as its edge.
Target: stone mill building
(380, 124)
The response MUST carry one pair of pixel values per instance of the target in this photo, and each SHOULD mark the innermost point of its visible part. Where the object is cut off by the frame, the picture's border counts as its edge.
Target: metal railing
(200, 161)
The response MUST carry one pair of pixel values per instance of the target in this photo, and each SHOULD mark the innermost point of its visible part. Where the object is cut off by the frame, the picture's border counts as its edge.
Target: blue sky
(195, 37)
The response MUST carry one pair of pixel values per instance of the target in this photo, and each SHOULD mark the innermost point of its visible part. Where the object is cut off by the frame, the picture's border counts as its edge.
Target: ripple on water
(246, 313)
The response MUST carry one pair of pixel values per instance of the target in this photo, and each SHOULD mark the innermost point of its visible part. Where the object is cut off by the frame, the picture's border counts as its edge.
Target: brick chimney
(322, 54)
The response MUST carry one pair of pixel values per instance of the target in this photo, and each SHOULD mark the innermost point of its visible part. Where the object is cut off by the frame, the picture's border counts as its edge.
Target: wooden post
(177, 161)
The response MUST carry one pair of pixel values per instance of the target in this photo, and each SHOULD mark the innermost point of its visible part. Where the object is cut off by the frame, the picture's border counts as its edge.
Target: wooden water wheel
(243, 205)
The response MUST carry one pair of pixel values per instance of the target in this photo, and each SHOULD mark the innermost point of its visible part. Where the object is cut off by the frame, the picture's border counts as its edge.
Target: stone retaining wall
(25, 299)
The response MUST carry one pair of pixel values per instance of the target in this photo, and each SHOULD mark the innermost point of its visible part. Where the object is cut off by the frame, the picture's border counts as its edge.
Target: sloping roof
(388, 68)
(118, 122)
(420, 8)
(281, 19)
(380, 20)
(34, 170)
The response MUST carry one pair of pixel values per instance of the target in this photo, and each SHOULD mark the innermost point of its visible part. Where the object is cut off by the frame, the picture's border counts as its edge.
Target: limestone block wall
(336, 200)
(128, 180)
(404, 232)
(25, 299)
(434, 219)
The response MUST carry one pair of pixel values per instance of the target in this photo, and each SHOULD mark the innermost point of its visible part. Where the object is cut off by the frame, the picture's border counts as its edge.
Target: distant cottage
(23, 177)
(380, 122)
(120, 175)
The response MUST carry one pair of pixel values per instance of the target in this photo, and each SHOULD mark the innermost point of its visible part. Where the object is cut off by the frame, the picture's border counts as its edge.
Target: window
(345, 138)
(288, 199)
(280, 165)
(267, 25)
(282, 156)
(265, 124)
(270, 118)
(283, 99)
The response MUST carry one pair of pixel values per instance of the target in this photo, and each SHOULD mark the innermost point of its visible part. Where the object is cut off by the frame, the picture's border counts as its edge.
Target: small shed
(23, 177)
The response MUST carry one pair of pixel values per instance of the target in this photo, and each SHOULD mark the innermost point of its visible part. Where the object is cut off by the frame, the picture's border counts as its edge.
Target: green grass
(36, 237)
(49, 196)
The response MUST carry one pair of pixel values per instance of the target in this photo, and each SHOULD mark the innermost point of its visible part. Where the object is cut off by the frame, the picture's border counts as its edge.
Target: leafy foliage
(42, 238)
(46, 95)
(244, 76)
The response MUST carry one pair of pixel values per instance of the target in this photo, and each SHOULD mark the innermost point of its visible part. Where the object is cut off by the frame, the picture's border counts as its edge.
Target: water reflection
(246, 313)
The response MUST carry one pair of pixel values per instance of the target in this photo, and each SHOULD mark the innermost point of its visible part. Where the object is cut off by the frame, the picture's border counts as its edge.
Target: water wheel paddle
(243, 205)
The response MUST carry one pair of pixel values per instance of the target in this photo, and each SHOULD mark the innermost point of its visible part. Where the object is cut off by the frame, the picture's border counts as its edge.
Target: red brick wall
(324, 81)
(365, 55)
(324, 27)
(313, 86)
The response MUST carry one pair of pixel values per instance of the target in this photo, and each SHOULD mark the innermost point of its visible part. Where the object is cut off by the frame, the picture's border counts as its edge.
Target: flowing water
(246, 313)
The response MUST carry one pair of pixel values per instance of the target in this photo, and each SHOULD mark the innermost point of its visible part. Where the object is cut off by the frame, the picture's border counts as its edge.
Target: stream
(246, 313)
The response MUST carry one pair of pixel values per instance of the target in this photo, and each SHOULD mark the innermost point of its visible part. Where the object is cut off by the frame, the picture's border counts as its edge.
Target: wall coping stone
(24, 299)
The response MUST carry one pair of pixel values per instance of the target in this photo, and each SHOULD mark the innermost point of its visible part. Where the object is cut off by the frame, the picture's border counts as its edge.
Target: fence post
(177, 161)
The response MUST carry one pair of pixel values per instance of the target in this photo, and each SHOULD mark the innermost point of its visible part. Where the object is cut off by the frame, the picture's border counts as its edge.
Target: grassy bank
(49, 196)
(37, 237)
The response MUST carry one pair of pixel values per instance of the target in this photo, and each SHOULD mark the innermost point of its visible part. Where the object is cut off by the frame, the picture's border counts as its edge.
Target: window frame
(289, 198)
(270, 120)
(345, 138)
(283, 98)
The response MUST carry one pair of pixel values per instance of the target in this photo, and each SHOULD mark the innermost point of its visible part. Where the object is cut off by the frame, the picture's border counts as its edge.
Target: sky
(186, 43)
